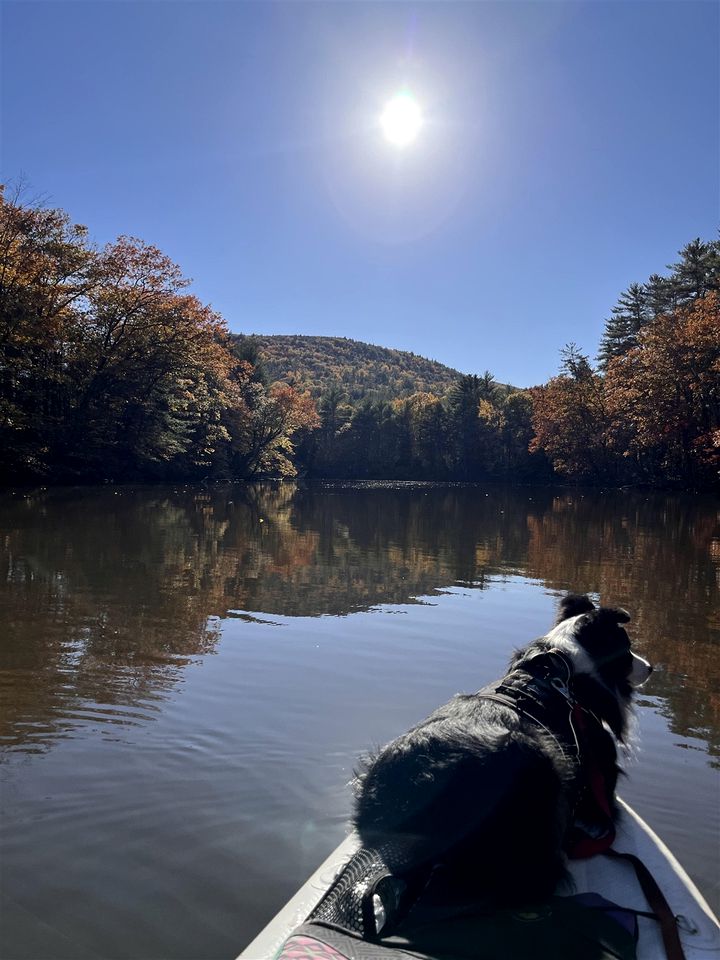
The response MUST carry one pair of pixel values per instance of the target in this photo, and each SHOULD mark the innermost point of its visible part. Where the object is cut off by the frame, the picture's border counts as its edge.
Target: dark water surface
(188, 675)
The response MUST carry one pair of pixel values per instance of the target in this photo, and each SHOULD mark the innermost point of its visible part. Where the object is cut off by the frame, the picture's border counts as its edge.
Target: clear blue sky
(568, 150)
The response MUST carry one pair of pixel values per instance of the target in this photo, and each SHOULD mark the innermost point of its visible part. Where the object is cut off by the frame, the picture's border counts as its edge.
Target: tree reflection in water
(107, 593)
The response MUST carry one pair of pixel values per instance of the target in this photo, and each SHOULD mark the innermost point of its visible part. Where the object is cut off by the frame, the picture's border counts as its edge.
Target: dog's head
(596, 643)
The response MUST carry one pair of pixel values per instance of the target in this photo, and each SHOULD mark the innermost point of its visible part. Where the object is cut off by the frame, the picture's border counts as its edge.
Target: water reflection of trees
(658, 556)
(107, 593)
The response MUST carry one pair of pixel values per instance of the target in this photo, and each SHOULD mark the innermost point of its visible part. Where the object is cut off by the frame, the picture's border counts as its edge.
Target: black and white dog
(500, 786)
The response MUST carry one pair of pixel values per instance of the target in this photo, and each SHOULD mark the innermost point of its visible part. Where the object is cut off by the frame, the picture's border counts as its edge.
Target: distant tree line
(479, 430)
(648, 413)
(111, 370)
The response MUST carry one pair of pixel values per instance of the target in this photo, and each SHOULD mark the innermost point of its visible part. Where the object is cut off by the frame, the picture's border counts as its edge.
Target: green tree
(425, 421)
(463, 404)
(627, 318)
(248, 349)
(517, 433)
(698, 270)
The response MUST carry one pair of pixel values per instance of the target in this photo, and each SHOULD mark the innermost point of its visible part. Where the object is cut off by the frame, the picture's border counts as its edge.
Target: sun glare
(401, 120)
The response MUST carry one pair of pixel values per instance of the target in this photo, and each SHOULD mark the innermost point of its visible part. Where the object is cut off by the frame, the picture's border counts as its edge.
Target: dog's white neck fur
(563, 637)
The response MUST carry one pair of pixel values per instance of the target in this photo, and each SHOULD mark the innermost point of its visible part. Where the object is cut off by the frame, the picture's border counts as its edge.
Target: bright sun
(401, 120)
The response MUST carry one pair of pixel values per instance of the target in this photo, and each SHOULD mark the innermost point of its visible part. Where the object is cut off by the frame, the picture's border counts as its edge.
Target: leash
(657, 903)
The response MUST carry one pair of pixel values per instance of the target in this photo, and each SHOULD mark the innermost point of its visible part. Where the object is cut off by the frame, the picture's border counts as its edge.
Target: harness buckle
(562, 685)
(562, 688)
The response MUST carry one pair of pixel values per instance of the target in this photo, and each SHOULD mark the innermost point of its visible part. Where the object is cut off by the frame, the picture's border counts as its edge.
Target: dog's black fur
(488, 791)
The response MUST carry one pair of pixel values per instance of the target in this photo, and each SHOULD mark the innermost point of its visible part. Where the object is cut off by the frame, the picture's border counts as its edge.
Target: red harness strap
(593, 807)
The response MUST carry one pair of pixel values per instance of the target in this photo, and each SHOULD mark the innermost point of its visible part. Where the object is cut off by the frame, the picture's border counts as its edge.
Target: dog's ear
(615, 614)
(572, 605)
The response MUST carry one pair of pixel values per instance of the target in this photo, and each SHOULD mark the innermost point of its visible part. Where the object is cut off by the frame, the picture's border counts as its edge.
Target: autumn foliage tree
(651, 413)
(655, 415)
(46, 274)
(148, 372)
(571, 420)
(110, 368)
(663, 396)
(262, 426)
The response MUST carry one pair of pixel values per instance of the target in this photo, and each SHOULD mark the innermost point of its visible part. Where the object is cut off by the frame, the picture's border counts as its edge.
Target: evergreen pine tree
(463, 402)
(627, 318)
(698, 271)
(661, 295)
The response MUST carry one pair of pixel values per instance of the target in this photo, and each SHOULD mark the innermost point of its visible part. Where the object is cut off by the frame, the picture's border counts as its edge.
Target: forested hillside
(360, 370)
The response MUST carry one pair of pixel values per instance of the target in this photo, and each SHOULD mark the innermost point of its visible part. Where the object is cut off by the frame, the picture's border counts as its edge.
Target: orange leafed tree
(150, 368)
(571, 421)
(663, 395)
(110, 368)
(262, 425)
(47, 270)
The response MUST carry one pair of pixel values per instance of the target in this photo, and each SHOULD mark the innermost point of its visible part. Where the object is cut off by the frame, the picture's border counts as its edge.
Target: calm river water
(188, 675)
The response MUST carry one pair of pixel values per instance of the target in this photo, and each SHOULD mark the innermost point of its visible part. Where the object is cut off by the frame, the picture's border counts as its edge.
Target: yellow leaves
(490, 415)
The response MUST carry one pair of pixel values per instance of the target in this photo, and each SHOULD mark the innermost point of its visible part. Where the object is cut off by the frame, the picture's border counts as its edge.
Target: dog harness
(540, 690)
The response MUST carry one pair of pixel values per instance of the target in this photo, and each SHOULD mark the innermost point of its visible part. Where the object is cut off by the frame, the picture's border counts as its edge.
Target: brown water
(188, 675)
